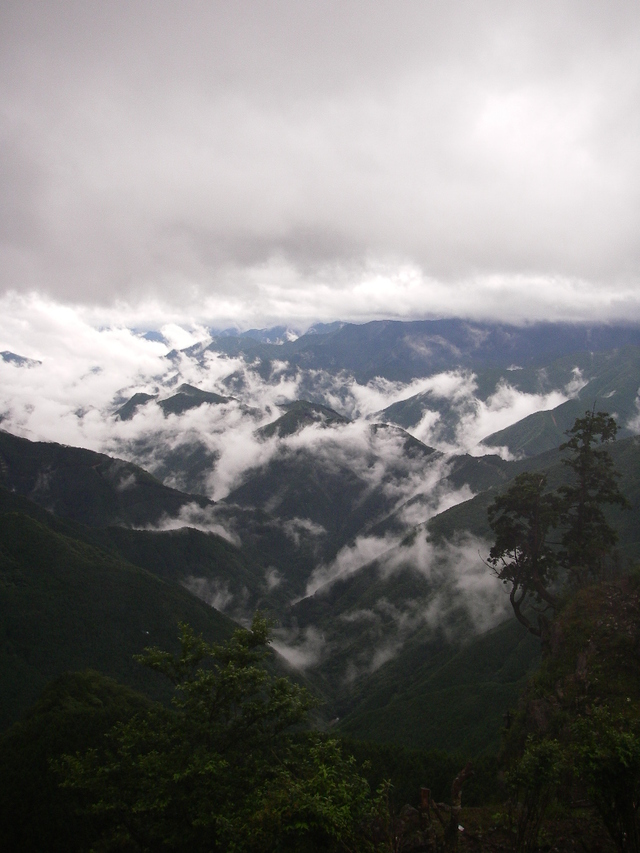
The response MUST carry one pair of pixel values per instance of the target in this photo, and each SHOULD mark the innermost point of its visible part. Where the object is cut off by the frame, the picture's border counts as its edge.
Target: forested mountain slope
(471, 516)
(89, 487)
(68, 605)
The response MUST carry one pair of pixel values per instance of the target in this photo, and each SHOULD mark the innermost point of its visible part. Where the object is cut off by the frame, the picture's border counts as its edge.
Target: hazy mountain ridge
(456, 412)
(354, 511)
(401, 351)
(18, 360)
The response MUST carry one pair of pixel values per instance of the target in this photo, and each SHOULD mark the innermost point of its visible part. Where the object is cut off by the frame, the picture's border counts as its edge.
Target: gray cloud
(251, 161)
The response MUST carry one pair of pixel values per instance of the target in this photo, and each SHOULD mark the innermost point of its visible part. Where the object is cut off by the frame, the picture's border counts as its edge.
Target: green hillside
(89, 487)
(612, 384)
(445, 695)
(101, 492)
(67, 605)
(471, 515)
(444, 685)
(173, 555)
(190, 557)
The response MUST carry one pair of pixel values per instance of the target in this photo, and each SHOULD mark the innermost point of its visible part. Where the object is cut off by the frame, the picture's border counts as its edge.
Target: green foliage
(598, 753)
(231, 767)
(588, 537)
(534, 784)
(605, 752)
(406, 771)
(582, 707)
(577, 737)
(73, 713)
(521, 519)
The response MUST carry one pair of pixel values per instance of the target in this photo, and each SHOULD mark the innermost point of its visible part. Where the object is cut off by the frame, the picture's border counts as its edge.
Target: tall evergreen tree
(588, 538)
(524, 518)
(521, 556)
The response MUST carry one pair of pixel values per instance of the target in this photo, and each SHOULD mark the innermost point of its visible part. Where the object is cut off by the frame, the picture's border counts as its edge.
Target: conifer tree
(588, 538)
(527, 518)
(521, 556)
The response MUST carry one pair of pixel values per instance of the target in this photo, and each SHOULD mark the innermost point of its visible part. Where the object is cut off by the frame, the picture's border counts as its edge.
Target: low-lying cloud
(85, 374)
(200, 518)
(461, 598)
(386, 550)
(478, 418)
(350, 560)
(305, 652)
(214, 592)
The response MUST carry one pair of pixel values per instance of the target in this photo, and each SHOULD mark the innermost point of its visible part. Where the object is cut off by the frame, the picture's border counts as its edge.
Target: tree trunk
(451, 832)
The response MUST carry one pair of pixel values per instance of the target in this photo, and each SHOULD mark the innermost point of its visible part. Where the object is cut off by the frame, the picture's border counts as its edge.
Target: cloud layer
(85, 374)
(241, 163)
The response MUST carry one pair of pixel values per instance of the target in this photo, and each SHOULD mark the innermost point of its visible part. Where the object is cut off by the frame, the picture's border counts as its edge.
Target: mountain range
(339, 482)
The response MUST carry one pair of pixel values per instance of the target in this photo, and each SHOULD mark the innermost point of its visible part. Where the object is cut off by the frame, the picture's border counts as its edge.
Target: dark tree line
(586, 746)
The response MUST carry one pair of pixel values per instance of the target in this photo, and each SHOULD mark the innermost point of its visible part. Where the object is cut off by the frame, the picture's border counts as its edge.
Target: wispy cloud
(461, 598)
(200, 518)
(214, 592)
(300, 652)
(475, 418)
(351, 559)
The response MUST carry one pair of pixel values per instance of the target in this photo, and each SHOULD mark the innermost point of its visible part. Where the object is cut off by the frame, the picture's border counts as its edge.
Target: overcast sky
(248, 162)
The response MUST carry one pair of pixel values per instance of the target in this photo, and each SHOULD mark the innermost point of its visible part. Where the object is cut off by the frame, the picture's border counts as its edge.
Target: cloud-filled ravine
(329, 476)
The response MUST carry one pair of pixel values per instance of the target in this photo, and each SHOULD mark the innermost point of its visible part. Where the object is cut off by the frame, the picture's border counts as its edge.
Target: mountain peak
(18, 360)
(186, 397)
(298, 415)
